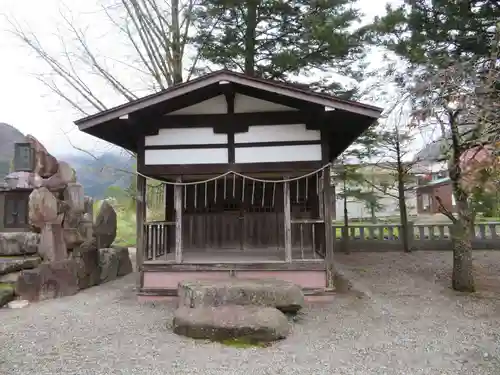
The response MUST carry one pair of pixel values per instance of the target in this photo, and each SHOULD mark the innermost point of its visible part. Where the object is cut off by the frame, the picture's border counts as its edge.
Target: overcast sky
(24, 102)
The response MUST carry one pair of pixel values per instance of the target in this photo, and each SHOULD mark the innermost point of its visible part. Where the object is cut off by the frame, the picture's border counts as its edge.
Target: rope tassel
(253, 192)
(263, 194)
(274, 194)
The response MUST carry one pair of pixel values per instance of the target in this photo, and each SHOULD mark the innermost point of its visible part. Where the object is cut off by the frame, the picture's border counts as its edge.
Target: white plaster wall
(190, 136)
(186, 156)
(357, 209)
(211, 106)
(277, 133)
(244, 104)
(277, 154)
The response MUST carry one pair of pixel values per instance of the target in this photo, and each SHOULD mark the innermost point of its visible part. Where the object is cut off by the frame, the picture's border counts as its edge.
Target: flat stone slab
(262, 324)
(18, 243)
(282, 295)
(13, 264)
(10, 278)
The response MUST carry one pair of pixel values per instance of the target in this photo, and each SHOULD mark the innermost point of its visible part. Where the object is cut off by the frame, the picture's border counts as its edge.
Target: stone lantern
(14, 195)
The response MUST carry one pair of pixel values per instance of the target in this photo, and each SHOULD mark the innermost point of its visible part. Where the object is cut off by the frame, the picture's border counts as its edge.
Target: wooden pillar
(169, 217)
(178, 221)
(288, 222)
(334, 202)
(327, 214)
(317, 211)
(140, 212)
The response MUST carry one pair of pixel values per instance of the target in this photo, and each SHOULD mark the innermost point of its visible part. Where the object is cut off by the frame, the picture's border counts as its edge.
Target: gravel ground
(412, 324)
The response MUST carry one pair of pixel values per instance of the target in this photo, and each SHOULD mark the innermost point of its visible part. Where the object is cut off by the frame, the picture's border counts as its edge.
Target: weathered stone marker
(48, 280)
(236, 308)
(87, 258)
(105, 226)
(283, 295)
(262, 324)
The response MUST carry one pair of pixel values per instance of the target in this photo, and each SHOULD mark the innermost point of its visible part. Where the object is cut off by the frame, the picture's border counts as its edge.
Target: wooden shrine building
(246, 167)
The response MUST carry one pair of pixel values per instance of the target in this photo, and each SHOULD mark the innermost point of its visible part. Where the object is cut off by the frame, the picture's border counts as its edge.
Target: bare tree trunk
(251, 23)
(462, 277)
(372, 204)
(372, 213)
(345, 229)
(461, 234)
(403, 211)
(176, 44)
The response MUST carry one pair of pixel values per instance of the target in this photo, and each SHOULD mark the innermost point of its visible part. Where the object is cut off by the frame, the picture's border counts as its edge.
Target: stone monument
(47, 243)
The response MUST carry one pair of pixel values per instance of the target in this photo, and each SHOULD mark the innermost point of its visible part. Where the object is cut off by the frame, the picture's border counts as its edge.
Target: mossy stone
(6, 294)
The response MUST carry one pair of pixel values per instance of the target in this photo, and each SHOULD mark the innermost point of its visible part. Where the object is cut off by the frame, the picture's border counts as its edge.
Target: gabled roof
(220, 76)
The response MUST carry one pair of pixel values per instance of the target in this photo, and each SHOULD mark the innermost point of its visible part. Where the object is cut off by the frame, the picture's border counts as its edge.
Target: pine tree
(276, 39)
(348, 174)
(435, 33)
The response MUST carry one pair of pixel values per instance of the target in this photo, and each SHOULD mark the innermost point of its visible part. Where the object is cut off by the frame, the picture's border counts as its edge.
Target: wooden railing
(157, 238)
(307, 239)
(421, 236)
(308, 236)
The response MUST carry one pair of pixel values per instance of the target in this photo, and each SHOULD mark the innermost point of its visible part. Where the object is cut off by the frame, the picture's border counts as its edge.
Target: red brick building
(427, 203)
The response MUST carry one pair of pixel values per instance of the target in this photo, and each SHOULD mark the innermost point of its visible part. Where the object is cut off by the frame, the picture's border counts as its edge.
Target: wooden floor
(238, 256)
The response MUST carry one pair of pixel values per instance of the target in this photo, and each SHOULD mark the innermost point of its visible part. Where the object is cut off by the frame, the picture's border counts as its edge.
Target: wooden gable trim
(239, 79)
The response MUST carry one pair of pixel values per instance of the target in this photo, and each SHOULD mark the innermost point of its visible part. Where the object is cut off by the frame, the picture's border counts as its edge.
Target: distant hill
(8, 136)
(97, 175)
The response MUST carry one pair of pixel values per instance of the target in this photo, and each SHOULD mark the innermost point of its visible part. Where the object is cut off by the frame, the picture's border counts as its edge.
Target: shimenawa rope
(242, 176)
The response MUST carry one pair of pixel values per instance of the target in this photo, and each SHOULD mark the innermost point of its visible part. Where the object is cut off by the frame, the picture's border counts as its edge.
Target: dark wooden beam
(296, 265)
(327, 209)
(209, 169)
(230, 94)
(241, 121)
(122, 133)
(329, 243)
(140, 220)
(287, 221)
(232, 145)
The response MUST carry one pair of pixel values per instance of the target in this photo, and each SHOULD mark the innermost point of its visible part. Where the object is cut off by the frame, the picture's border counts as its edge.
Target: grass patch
(4, 286)
(244, 343)
(487, 219)
(125, 229)
(125, 224)
(366, 232)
